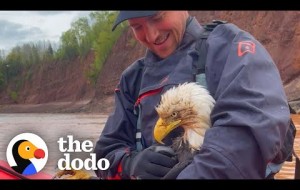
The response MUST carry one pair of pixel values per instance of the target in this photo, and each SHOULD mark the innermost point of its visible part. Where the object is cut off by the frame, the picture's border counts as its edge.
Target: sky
(19, 27)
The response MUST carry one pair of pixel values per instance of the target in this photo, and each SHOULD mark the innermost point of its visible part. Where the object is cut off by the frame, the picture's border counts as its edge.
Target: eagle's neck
(194, 133)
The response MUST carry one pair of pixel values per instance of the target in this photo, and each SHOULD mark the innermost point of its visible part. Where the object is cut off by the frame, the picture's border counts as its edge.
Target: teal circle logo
(27, 153)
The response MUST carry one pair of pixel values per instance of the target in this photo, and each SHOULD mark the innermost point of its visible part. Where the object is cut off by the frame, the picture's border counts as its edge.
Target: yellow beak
(161, 130)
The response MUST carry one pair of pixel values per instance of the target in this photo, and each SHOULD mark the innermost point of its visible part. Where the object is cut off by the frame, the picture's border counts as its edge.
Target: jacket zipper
(146, 94)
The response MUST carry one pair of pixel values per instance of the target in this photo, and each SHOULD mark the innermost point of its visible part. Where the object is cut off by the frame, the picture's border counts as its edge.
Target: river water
(50, 127)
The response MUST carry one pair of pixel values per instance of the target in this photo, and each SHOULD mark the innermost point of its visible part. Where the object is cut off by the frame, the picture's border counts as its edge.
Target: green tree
(82, 31)
(69, 45)
(103, 39)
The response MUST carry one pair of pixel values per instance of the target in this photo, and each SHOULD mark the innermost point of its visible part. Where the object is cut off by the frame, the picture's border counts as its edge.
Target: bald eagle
(189, 106)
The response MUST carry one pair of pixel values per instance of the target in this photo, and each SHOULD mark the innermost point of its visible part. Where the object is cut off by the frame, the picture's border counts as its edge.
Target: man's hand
(151, 163)
(175, 171)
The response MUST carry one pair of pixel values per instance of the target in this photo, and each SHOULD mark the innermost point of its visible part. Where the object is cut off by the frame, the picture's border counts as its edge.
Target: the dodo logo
(27, 153)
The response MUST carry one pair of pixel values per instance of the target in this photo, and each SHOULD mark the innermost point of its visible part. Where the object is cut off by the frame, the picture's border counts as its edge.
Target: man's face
(161, 33)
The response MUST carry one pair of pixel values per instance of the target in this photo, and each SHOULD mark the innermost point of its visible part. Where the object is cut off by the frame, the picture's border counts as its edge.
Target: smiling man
(249, 120)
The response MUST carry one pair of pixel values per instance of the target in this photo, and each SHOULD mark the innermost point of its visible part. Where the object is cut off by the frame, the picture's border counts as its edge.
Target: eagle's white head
(189, 106)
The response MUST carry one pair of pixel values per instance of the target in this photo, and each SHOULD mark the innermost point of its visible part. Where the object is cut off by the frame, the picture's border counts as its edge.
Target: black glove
(175, 171)
(153, 162)
(185, 159)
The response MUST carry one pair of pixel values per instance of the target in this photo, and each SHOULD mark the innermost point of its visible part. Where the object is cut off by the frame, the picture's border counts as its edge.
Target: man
(249, 120)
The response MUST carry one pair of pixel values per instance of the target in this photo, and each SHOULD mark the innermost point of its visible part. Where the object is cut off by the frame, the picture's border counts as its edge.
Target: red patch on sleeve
(246, 46)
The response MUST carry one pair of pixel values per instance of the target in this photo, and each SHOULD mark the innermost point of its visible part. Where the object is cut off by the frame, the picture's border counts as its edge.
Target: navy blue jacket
(249, 120)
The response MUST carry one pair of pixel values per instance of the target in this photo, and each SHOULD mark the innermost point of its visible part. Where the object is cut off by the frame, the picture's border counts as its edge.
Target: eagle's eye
(174, 114)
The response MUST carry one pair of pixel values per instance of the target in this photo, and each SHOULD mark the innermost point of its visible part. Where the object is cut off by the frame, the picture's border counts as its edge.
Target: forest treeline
(91, 33)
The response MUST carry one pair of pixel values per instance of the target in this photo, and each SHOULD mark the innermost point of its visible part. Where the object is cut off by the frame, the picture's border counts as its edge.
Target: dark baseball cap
(125, 15)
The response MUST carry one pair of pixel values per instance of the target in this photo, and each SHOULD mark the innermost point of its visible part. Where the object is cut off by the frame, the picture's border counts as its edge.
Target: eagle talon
(72, 174)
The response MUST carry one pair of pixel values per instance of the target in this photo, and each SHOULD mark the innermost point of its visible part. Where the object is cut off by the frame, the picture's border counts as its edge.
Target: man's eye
(136, 27)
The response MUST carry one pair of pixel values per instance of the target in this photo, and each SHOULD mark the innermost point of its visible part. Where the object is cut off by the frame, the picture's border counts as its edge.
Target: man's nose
(151, 33)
